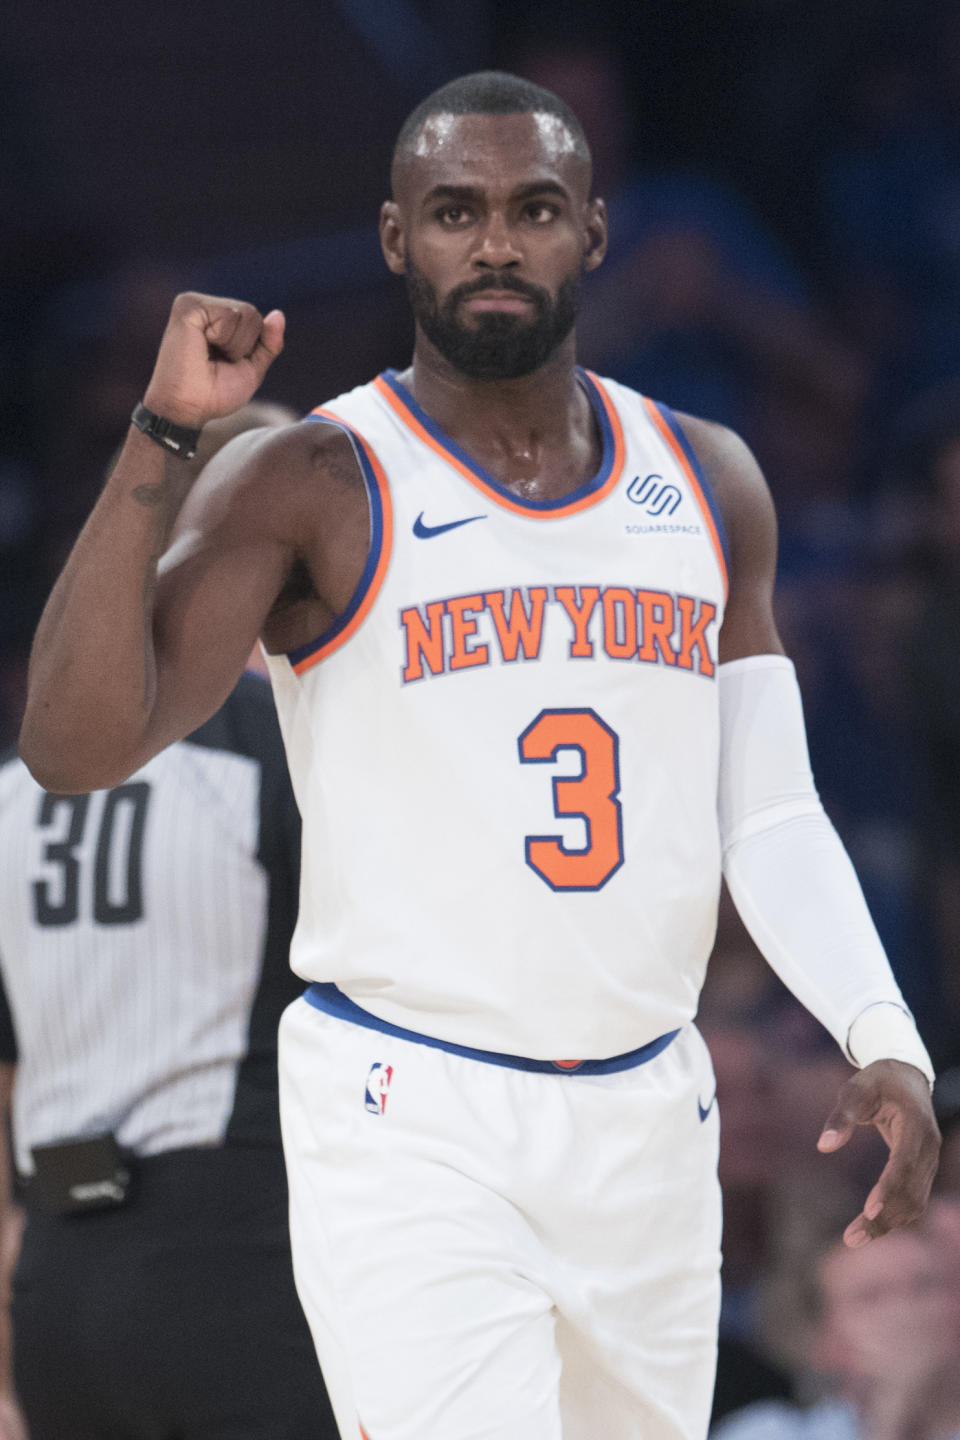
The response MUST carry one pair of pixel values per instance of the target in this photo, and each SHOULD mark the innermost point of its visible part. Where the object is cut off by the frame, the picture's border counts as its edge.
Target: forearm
(92, 678)
(100, 700)
(796, 892)
(790, 876)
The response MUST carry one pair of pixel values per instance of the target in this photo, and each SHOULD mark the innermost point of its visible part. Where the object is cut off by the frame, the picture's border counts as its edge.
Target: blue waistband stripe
(334, 1002)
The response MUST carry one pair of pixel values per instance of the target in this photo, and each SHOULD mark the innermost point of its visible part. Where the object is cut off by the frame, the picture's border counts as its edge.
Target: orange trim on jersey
(386, 547)
(495, 493)
(677, 451)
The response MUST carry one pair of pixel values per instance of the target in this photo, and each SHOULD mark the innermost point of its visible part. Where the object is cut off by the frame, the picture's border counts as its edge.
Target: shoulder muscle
(264, 480)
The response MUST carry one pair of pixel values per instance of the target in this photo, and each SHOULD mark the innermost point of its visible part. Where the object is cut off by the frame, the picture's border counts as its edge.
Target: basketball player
(524, 616)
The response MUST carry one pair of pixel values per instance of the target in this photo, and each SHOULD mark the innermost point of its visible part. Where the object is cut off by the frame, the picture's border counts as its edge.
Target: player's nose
(497, 248)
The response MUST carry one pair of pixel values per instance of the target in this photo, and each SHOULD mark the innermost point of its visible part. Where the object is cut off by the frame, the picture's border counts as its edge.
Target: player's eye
(541, 213)
(453, 215)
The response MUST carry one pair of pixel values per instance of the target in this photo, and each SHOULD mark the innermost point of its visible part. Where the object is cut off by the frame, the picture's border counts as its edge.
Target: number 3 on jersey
(590, 796)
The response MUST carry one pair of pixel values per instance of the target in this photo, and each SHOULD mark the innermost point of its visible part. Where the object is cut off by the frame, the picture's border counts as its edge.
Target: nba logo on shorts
(378, 1088)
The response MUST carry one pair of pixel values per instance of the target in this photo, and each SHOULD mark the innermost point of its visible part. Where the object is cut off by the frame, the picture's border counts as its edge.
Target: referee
(144, 935)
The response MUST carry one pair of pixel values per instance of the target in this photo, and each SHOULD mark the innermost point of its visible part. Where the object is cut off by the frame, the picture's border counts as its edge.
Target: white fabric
(886, 1032)
(132, 1024)
(418, 899)
(494, 1227)
(788, 873)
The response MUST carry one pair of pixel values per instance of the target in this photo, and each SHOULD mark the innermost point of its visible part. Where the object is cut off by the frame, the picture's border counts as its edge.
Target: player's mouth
(506, 301)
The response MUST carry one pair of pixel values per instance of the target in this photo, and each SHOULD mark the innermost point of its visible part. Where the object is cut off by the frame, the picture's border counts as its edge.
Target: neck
(541, 400)
(517, 428)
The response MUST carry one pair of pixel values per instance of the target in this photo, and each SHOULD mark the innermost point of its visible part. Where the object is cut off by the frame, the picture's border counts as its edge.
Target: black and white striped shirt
(144, 937)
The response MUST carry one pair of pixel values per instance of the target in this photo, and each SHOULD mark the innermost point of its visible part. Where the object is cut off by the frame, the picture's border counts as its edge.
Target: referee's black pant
(173, 1317)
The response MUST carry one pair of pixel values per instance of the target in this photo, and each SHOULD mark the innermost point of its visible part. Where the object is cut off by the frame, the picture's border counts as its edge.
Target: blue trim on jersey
(373, 556)
(333, 1002)
(698, 470)
(390, 377)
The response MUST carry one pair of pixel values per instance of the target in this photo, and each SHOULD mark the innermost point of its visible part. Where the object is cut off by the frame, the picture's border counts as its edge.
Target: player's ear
(391, 237)
(595, 234)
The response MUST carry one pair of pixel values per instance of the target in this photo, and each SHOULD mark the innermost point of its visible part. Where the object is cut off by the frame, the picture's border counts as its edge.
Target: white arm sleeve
(789, 875)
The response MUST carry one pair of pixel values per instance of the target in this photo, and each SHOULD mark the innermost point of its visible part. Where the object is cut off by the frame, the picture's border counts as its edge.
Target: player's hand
(212, 358)
(894, 1097)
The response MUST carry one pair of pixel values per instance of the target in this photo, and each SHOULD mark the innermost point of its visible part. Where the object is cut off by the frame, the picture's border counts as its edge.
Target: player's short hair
(490, 92)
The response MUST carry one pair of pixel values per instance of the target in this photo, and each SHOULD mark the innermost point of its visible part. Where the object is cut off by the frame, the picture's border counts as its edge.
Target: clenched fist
(212, 358)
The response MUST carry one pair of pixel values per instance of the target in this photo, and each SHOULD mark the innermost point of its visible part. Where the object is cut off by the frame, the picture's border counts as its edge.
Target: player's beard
(494, 345)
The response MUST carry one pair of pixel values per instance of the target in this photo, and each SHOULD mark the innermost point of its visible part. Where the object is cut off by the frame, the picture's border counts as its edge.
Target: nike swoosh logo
(704, 1111)
(427, 532)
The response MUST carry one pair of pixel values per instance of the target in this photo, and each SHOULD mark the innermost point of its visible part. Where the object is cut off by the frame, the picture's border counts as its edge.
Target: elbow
(38, 754)
(62, 766)
(51, 770)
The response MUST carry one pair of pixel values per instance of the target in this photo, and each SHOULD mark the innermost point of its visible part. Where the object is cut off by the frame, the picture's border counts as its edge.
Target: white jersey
(505, 751)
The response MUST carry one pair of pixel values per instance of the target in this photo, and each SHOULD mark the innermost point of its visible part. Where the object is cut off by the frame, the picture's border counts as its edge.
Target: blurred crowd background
(783, 178)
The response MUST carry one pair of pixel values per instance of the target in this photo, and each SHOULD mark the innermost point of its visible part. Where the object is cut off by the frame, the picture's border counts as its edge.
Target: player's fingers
(269, 342)
(840, 1123)
(875, 1201)
(898, 1198)
(233, 327)
(193, 309)
(901, 1193)
(877, 1216)
(857, 1233)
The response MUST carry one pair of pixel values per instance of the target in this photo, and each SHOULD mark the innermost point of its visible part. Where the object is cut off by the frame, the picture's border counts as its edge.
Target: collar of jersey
(426, 429)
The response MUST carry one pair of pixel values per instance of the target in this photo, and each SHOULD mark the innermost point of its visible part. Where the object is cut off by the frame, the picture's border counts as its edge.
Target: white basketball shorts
(486, 1252)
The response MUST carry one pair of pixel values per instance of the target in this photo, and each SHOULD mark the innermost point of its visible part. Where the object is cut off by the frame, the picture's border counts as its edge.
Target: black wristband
(176, 438)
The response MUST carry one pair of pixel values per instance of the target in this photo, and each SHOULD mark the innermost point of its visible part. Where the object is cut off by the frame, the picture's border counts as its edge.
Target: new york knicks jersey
(505, 750)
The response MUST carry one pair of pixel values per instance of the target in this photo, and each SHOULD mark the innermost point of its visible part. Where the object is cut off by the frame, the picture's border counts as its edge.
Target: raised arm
(118, 668)
(787, 871)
